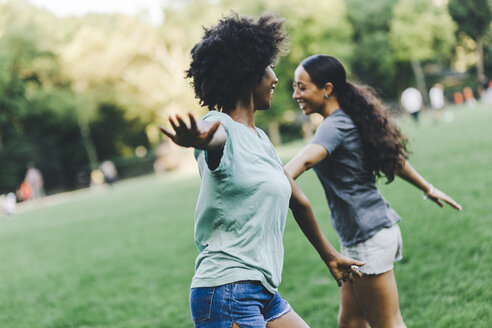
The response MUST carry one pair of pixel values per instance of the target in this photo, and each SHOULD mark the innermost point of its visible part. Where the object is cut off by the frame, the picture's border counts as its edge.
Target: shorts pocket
(201, 303)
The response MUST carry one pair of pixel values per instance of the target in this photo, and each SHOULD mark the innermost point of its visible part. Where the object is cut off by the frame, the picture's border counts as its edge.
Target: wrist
(331, 257)
(429, 191)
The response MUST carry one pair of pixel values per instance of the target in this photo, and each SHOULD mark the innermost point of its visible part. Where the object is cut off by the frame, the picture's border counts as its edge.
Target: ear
(328, 89)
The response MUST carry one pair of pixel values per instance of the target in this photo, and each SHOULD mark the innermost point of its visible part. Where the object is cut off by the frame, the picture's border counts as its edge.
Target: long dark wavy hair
(384, 146)
(231, 58)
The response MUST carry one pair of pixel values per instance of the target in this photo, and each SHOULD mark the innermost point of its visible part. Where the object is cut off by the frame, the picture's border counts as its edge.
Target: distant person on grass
(355, 144)
(411, 100)
(35, 179)
(245, 193)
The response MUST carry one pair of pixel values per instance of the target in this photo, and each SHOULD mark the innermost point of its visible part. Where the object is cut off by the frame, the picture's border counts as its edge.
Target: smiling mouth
(272, 90)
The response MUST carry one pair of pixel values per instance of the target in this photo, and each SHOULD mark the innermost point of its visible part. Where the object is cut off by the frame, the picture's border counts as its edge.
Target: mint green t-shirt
(241, 210)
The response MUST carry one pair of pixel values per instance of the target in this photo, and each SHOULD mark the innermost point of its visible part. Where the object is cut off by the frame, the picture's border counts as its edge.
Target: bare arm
(339, 265)
(204, 135)
(309, 156)
(409, 174)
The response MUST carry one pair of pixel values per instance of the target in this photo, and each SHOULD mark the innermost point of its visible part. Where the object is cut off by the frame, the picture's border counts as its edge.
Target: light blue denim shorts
(379, 252)
(247, 303)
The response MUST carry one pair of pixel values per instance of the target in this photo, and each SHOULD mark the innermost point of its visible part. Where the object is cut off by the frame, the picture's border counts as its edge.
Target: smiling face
(263, 92)
(311, 99)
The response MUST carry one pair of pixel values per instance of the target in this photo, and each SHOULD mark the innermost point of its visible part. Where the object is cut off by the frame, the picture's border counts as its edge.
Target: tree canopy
(76, 91)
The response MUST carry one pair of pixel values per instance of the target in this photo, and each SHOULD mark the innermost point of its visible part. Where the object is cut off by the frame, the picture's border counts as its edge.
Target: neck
(331, 105)
(243, 113)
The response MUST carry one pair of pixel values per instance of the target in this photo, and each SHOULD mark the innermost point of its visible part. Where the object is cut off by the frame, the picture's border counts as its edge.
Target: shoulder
(224, 119)
(339, 119)
(214, 115)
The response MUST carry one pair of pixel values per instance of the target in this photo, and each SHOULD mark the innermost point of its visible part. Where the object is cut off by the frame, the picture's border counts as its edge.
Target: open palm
(189, 135)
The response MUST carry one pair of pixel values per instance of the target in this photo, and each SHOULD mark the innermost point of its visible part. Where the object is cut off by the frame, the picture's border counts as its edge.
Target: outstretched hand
(190, 135)
(438, 197)
(344, 269)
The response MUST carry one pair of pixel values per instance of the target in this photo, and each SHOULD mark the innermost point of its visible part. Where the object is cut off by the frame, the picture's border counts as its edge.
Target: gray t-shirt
(357, 208)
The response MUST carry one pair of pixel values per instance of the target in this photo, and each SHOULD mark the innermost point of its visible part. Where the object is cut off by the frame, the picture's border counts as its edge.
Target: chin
(264, 106)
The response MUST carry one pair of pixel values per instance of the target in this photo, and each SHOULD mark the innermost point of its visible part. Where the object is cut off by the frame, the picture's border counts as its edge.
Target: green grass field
(124, 256)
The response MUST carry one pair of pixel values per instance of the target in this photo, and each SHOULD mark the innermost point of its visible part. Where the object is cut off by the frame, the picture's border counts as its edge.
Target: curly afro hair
(232, 56)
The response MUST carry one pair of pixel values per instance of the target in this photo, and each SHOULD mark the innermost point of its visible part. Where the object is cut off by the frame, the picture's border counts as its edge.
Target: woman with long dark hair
(245, 193)
(354, 145)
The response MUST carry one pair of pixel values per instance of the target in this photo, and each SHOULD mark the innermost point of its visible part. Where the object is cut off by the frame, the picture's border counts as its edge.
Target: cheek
(312, 97)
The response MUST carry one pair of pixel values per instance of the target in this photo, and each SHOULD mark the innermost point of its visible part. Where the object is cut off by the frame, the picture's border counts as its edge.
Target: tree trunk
(88, 144)
(419, 76)
(274, 132)
(480, 69)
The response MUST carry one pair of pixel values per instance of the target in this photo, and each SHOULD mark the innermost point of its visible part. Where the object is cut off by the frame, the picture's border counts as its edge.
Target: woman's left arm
(409, 174)
(340, 266)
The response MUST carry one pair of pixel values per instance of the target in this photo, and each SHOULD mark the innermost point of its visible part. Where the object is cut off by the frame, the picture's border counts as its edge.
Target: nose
(296, 94)
(275, 77)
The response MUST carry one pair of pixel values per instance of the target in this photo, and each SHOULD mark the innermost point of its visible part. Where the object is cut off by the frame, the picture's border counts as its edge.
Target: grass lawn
(124, 256)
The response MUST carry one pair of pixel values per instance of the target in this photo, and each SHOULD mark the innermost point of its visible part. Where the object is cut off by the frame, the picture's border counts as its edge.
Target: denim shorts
(379, 252)
(247, 303)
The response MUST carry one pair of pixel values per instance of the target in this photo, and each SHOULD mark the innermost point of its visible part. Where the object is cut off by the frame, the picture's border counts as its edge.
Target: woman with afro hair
(355, 144)
(245, 193)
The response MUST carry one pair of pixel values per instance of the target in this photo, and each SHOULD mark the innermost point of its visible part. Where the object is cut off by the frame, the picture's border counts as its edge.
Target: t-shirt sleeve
(227, 152)
(214, 116)
(329, 135)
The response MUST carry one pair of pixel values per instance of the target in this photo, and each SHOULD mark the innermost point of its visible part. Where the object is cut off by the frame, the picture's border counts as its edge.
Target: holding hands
(344, 269)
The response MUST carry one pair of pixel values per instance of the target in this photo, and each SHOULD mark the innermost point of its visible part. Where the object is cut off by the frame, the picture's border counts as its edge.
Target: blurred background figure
(411, 100)
(458, 98)
(24, 192)
(35, 180)
(9, 203)
(485, 92)
(437, 101)
(469, 97)
(97, 179)
(109, 172)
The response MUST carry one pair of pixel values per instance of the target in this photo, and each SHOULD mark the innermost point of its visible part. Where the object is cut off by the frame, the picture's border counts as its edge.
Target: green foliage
(325, 30)
(373, 60)
(42, 113)
(35, 118)
(68, 69)
(421, 31)
(106, 132)
(472, 16)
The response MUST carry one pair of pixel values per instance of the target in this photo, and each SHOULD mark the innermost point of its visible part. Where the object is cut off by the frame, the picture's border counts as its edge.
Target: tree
(473, 18)
(421, 31)
(373, 61)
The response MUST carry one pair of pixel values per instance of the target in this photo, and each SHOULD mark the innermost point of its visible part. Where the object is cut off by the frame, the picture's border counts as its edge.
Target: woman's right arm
(309, 156)
(202, 135)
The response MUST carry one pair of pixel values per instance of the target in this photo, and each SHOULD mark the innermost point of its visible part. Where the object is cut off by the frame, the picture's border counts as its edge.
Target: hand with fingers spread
(439, 197)
(191, 135)
(344, 269)
(409, 174)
